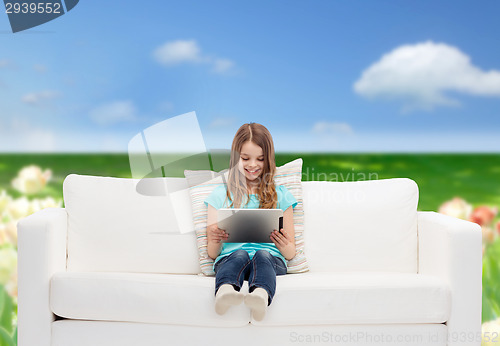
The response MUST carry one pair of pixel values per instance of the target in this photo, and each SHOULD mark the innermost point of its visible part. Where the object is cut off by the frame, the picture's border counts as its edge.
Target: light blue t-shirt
(217, 199)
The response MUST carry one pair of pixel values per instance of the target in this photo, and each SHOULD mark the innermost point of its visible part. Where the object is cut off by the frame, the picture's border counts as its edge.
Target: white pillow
(202, 183)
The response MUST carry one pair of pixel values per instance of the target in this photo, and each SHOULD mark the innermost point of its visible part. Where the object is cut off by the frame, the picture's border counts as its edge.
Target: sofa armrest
(41, 253)
(451, 249)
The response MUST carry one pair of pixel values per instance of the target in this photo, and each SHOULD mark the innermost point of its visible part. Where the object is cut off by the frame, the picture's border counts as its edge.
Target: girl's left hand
(284, 243)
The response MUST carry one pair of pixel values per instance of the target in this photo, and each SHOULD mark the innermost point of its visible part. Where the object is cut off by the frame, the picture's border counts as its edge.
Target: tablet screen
(249, 225)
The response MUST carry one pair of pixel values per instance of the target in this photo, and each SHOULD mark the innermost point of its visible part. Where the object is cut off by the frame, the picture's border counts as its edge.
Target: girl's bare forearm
(288, 253)
(213, 249)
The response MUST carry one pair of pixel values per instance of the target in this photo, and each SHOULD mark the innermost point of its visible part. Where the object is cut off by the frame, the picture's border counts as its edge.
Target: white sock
(257, 302)
(225, 297)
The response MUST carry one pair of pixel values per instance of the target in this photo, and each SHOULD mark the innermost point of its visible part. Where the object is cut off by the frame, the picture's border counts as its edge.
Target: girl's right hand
(216, 235)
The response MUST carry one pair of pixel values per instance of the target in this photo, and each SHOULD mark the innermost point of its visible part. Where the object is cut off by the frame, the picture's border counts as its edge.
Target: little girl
(250, 185)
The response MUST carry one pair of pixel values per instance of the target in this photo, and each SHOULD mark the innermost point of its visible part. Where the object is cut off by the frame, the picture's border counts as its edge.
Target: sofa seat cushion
(358, 298)
(314, 298)
(141, 297)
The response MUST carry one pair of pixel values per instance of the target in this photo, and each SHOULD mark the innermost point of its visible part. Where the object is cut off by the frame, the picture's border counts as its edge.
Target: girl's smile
(251, 160)
(256, 171)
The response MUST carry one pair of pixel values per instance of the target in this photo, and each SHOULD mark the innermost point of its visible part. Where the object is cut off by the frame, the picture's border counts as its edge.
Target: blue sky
(339, 76)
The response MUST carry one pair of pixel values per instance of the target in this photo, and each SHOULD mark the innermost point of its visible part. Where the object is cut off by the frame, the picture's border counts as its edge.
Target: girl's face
(251, 160)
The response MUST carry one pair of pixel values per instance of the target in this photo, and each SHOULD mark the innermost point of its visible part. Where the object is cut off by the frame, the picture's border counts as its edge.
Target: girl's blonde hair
(236, 185)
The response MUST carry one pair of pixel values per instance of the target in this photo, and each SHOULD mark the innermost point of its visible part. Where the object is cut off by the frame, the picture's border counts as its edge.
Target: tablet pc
(249, 225)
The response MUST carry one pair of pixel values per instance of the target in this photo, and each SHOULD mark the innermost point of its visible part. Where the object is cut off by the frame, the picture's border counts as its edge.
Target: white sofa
(115, 267)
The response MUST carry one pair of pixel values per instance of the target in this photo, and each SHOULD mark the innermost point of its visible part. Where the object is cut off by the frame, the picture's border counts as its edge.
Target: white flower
(31, 179)
(8, 233)
(4, 200)
(491, 333)
(19, 208)
(11, 230)
(488, 235)
(3, 234)
(456, 207)
(49, 202)
(8, 264)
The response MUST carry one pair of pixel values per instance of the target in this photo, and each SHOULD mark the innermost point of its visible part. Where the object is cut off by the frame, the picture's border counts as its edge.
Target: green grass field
(440, 177)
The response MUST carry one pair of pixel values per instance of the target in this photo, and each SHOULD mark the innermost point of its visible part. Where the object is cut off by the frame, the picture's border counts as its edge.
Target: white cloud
(222, 65)
(114, 112)
(187, 51)
(41, 98)
(324, 127)
(176, 52)
(421, 74)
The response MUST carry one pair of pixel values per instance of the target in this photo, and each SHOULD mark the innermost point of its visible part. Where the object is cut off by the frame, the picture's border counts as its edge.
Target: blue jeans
(260, 271)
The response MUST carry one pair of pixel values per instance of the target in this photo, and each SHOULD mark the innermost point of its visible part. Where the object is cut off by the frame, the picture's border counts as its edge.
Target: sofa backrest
(361, 226)
(112, 227)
